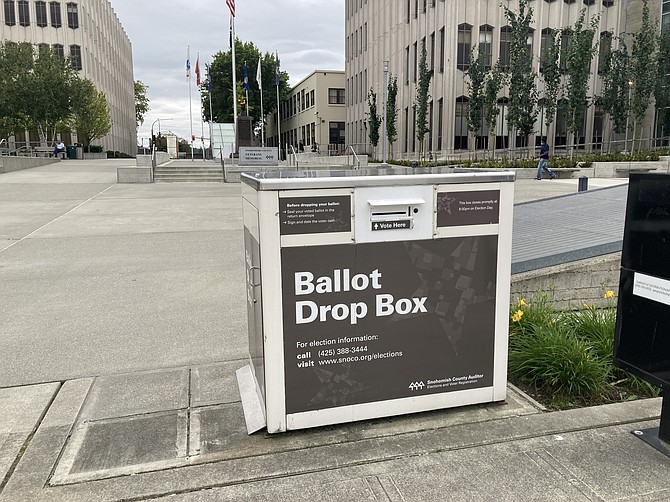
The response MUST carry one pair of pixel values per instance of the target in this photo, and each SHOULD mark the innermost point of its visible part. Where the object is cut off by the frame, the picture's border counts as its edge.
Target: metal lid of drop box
(395, 176)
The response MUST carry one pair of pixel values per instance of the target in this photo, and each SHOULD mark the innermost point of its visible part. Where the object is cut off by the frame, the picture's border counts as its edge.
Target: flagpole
(202, 115)
(259, 77)
(232, 41)
(211, 118)
(190, 107)
(278, 118)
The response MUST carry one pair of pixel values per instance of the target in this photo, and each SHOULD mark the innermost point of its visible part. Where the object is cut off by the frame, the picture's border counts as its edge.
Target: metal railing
(358, 161)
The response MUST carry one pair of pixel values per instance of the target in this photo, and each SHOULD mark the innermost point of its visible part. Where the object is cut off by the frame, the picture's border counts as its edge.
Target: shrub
(549, 357)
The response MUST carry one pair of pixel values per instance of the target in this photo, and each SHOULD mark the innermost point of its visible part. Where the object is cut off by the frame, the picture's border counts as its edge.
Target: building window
(407, 65)
(406, 124)
(608, 3)
(589, 2)
(41, 14)
(311, 95)
(54, 11)
(486, 45)
(604, 50)
(24, 13)
(442, 50)
(546, 42)
(430, 126)
(336, 133)
(416, 8)
(336, 96)
(416, 63)
(461, 124)
(464, 46)
(505, 41)
(72, 16)
(75, 57)
(440, 114)
(10, 13)
(432, 52)
(58, 51)
(409, 10)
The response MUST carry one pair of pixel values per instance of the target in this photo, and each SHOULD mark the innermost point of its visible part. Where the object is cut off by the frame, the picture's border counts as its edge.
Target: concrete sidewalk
(124, 321)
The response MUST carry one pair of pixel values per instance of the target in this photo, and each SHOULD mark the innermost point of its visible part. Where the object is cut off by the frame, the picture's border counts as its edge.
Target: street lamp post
(384, 145)
(630, 91)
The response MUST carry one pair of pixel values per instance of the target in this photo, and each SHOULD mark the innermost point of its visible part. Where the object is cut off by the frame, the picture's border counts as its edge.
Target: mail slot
(374, 293)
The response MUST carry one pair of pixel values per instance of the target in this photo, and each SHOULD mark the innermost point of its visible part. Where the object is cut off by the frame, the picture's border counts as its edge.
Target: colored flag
(246, 78)
(258, 75)
(197, 70)
(231, 6)
(188, 68)
(277, 68)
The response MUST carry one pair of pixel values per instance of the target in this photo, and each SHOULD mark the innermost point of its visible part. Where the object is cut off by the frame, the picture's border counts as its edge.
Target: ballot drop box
(374, 293)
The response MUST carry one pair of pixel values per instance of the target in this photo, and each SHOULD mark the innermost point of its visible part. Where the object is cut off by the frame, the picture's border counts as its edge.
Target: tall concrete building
(91, 34)
(396, 30)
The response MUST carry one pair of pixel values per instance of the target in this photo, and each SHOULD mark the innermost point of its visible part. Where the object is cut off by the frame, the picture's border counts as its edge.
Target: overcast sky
(309, 35)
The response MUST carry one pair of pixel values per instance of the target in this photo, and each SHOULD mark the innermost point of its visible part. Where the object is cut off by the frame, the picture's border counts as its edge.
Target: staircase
(189, 171)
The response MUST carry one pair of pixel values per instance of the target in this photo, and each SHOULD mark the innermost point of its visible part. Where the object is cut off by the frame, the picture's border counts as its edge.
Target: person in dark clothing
(544, 159)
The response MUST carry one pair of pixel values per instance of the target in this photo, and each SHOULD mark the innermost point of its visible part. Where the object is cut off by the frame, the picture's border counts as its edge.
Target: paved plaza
(123, 322)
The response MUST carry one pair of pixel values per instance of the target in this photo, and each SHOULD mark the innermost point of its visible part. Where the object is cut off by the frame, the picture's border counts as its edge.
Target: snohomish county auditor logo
(416, 385)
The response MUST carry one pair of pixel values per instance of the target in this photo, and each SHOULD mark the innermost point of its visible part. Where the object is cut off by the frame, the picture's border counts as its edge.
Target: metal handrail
(355, 156)
(295, 156)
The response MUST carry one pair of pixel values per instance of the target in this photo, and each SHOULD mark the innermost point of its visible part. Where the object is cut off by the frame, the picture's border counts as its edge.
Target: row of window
(303, 100)
(357, 42)
(41, 18)
(307, 135)
(59, 51)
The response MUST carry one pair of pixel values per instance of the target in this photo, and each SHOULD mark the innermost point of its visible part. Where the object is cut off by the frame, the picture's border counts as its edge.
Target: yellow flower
(517, 316)
(609, 294)
(522, 303)
(586, 306)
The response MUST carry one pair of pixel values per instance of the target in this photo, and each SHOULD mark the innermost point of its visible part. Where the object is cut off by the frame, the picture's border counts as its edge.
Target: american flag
(231, 6)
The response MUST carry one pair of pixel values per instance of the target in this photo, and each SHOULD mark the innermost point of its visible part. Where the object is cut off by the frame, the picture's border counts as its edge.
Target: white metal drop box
(374, 293)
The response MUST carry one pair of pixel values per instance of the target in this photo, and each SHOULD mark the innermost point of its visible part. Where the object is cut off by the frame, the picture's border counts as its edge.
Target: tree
(141, 102)
(422, 96)
(495, 79)
(580, 51)
(643, 67)
(220, 74)
(551, 75)
(476, 73)
(522, 110)
(392, 111)
(46, 95)
(90, 116)
(374, 119)
(616, 80)
(16, 61)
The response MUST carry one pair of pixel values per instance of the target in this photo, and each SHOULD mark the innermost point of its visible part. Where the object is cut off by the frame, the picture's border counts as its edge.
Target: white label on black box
(652, 288)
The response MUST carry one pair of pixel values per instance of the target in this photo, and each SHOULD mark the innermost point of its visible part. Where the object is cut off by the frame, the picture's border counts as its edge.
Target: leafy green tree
(141, 102)
(220, 73)
(476, 73)
(643, 66)
(90, 116)
(580, 51)
(422, 97)
(392, 111)
(47, 96)
(495, 79)
(616, 78)
(16, 62)
(374, 119)
(551, 76)
(662, 87)
(522, 111)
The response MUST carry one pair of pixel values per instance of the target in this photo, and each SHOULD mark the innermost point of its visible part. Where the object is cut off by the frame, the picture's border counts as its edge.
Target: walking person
(544, 159)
